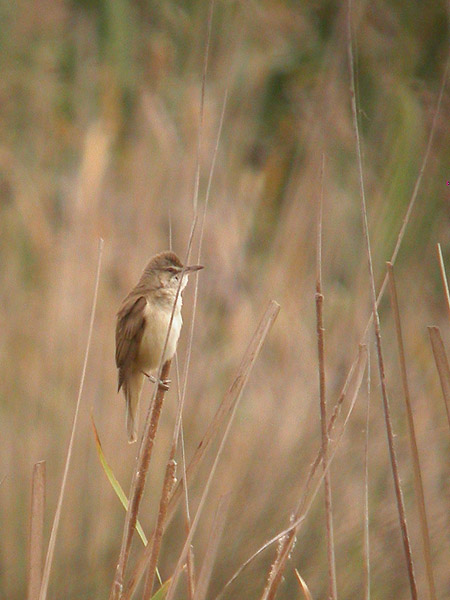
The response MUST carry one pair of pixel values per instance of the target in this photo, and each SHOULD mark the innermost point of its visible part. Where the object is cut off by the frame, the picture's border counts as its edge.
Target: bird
(142, 326)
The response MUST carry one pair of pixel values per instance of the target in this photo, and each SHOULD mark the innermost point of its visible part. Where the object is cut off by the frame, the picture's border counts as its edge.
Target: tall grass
(99, 118)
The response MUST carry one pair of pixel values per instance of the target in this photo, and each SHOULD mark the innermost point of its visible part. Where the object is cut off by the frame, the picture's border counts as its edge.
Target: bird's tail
(132, 389)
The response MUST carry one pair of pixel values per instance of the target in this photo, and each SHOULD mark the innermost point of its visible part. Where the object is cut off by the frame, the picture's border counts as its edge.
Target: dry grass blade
(442, 365)
(190, 566)
(36, 542)
(418, 484)
(212, 547)
(366, 553)
(444, 277)
(240, 381)
(306, 593)
(332, 587)
(52, 542)
(376, 322)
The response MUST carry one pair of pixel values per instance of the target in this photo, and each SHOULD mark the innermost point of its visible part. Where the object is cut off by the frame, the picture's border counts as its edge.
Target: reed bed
(204, 127)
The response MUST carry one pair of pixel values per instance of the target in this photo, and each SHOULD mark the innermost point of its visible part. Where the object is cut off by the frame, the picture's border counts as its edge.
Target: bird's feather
(129, 330)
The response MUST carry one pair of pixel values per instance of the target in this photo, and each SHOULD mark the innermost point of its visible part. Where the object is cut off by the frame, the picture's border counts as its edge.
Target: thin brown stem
(138, 481)
(332, 588)
(169, 480)
(36, 541)
(190, 558)
(418, 483)
(366, 551)
(53, 534)
(376, 322)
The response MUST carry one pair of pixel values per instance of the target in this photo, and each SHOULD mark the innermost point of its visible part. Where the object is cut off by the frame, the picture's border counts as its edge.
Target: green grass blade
(113, 481)
(162, 592)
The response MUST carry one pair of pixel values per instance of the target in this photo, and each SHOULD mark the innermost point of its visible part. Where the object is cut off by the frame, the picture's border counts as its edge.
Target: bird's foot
(164, 384)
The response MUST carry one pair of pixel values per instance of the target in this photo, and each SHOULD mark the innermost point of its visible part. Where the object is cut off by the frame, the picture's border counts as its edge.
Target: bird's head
(165, 270)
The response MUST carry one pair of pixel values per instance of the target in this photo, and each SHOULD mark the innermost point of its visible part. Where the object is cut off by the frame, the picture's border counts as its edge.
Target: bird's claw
(164, 384)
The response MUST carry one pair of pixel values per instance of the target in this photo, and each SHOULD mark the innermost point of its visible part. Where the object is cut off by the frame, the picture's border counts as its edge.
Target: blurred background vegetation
(99, 119)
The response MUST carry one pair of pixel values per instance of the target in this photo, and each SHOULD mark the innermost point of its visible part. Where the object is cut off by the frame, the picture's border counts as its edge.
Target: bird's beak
(193, 268)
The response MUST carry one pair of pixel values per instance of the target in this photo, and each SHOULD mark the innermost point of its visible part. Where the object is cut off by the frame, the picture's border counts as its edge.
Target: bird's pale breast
(155, 332)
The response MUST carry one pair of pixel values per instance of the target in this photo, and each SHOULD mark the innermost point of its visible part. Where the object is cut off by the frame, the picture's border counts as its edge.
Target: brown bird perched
(142, 325)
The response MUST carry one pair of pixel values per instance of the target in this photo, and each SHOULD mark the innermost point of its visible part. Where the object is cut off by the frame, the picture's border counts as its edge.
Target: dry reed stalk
(52, 542)
(285, 545)
(240, 381)
(169, 480)
(190, 565)
(376, 322)
(212, 547)
(418, 483)
(442, 365)
(36, 540)
(444, 278)
(139, 477)
(366, 553)
(332, 587)
(226, 408)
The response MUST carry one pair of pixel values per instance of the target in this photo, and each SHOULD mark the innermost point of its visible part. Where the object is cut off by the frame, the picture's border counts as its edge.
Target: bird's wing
(129, 331)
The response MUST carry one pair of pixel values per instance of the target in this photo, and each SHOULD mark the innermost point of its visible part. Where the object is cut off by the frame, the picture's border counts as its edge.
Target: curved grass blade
(113, 480)
(162, 592)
